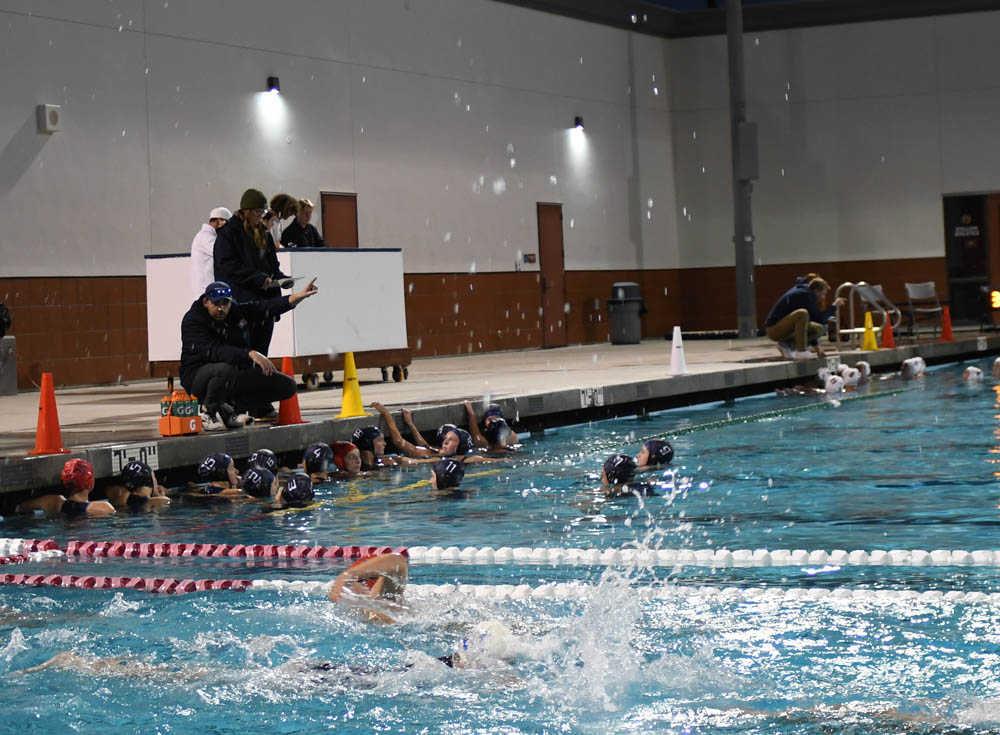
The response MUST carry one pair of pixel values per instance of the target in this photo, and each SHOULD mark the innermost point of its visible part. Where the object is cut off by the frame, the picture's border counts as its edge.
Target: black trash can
(625, 310)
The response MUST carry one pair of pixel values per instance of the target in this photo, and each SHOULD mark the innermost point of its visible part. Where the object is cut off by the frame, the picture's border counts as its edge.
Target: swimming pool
(720, 643)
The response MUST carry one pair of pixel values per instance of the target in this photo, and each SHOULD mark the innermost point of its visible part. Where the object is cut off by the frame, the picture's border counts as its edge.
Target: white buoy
(678, 365)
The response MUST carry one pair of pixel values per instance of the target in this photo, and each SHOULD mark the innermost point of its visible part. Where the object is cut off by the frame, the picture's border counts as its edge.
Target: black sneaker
(231, 419)
(266, 412)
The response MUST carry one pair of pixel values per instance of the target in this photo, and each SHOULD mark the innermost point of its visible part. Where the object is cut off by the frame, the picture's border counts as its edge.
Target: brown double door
(553, 275)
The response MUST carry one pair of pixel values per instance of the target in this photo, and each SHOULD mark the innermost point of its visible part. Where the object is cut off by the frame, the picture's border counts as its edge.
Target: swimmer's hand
(305, 293)
(407, 417)
(263, 362)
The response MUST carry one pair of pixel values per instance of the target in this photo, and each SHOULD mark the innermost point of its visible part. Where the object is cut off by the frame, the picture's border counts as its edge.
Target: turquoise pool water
(909, 466)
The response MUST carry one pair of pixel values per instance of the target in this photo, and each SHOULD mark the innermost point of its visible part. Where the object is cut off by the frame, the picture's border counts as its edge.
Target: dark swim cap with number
(298, 492)
(660, 451)
(257, 482)
(449, 473)
(364, 438)
(214, 467)
(318, 458)
(442, 432)
(619, 469)
(264, 459)
(137, 474)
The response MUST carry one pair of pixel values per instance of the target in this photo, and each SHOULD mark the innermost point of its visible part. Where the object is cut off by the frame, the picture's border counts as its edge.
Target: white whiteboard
(360, 305)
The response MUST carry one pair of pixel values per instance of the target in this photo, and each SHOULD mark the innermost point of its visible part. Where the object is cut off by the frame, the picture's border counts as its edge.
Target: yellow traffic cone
(351, 404)
(869, 342)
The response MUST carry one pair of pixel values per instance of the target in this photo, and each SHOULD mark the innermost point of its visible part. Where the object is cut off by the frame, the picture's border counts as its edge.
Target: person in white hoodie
(203, 251)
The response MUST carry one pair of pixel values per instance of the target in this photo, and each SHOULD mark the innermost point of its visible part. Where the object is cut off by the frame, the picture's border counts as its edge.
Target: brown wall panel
(93, 330)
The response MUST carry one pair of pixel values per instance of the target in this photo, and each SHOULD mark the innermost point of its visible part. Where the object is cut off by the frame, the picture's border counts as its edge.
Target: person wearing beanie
(78, 480)
(301, 233)
(245, 258)
(203, 250)
(220, 366)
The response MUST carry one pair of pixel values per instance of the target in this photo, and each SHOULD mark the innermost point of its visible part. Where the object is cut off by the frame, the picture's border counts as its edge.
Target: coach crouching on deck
(217, 364)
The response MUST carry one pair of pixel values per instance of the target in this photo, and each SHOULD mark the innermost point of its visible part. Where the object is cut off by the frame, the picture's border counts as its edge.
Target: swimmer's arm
(401, 444)
(100, 508)
(477, 458)
(477, 436)
(418, 438)
(117, 495)
(51, 504)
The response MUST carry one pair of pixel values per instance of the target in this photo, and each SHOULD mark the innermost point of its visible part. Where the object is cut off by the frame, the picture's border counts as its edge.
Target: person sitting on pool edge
(655, 453)
(618, 478)
(381, 578)
(496, 434)
(447, 474)
(347, 458)
(317, 461)
(78, 480)
(218, 472)
(138, 488)
(218, 365)
(797, 321)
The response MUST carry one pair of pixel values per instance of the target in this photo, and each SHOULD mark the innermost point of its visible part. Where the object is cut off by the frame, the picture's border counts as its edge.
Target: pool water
(636, 648)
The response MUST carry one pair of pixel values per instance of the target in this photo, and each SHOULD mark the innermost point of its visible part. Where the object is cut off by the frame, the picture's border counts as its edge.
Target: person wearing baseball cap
(203, 250)
(219, 364)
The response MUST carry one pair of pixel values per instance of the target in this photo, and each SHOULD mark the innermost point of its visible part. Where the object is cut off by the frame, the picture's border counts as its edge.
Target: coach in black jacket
(218, 365)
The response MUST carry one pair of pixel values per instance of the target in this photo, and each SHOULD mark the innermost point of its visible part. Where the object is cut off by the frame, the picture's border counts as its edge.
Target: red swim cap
(77, 475)
(340, 451)
(368, 582)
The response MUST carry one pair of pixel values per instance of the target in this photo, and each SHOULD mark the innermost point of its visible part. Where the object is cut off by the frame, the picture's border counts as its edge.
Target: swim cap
(841, 368)
(257, 482)
(497, 432)
(464, 441)
(449, 473)
(619, 468)
(851, 376)
(214, 467)
(865, 369)
(492, 411)
(660, 451)
(364, 438)
(298, 492)
(77, 475)
(972, 374)
(318, 457)
(996, 368)
(137, 474)
(491, 639)
(340, 452)
(442, 432)
(913, 367)
(822, 374)
(264, 459)
(834, 384)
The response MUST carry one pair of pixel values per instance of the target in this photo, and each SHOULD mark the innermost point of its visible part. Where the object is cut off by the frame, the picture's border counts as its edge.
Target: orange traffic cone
(288, 409)
(887, 339)
(48, 437)
(946, 334)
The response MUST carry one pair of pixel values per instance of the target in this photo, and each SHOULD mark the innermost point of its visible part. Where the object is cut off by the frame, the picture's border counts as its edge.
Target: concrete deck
(538, 387)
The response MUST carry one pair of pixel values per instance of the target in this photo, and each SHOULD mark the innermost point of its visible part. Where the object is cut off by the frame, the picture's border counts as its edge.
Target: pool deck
(537, 388)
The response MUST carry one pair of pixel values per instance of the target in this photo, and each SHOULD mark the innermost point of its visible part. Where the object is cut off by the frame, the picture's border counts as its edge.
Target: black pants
(245, 388)
(260, 336)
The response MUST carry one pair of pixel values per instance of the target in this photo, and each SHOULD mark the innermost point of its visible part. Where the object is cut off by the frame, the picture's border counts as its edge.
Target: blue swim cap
(257, 482)
(497, 433)
(449, 473)
(318, 458)
(442, 432)
(364, 438)
(264, 459)
(137, 474)
(214, 467)
(619, 468)
(464, 440)
(660, 451)
(299, 491)
(492, 411)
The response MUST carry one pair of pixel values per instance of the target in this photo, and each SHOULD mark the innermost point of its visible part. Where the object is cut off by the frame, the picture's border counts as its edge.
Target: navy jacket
(205, 340)
(798, 297)
(297, 236)
(242, 266)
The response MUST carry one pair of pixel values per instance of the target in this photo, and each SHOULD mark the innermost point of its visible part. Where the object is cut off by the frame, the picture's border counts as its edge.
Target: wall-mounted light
(273, 85)
(578, 122)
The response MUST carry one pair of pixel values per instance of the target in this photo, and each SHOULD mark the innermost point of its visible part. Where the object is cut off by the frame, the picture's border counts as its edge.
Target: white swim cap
(972, 374)
(996, 368)
(864, 368)
(842, 367)
(490, 639)
(823, 373)
(851, 376)
(834, 384)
